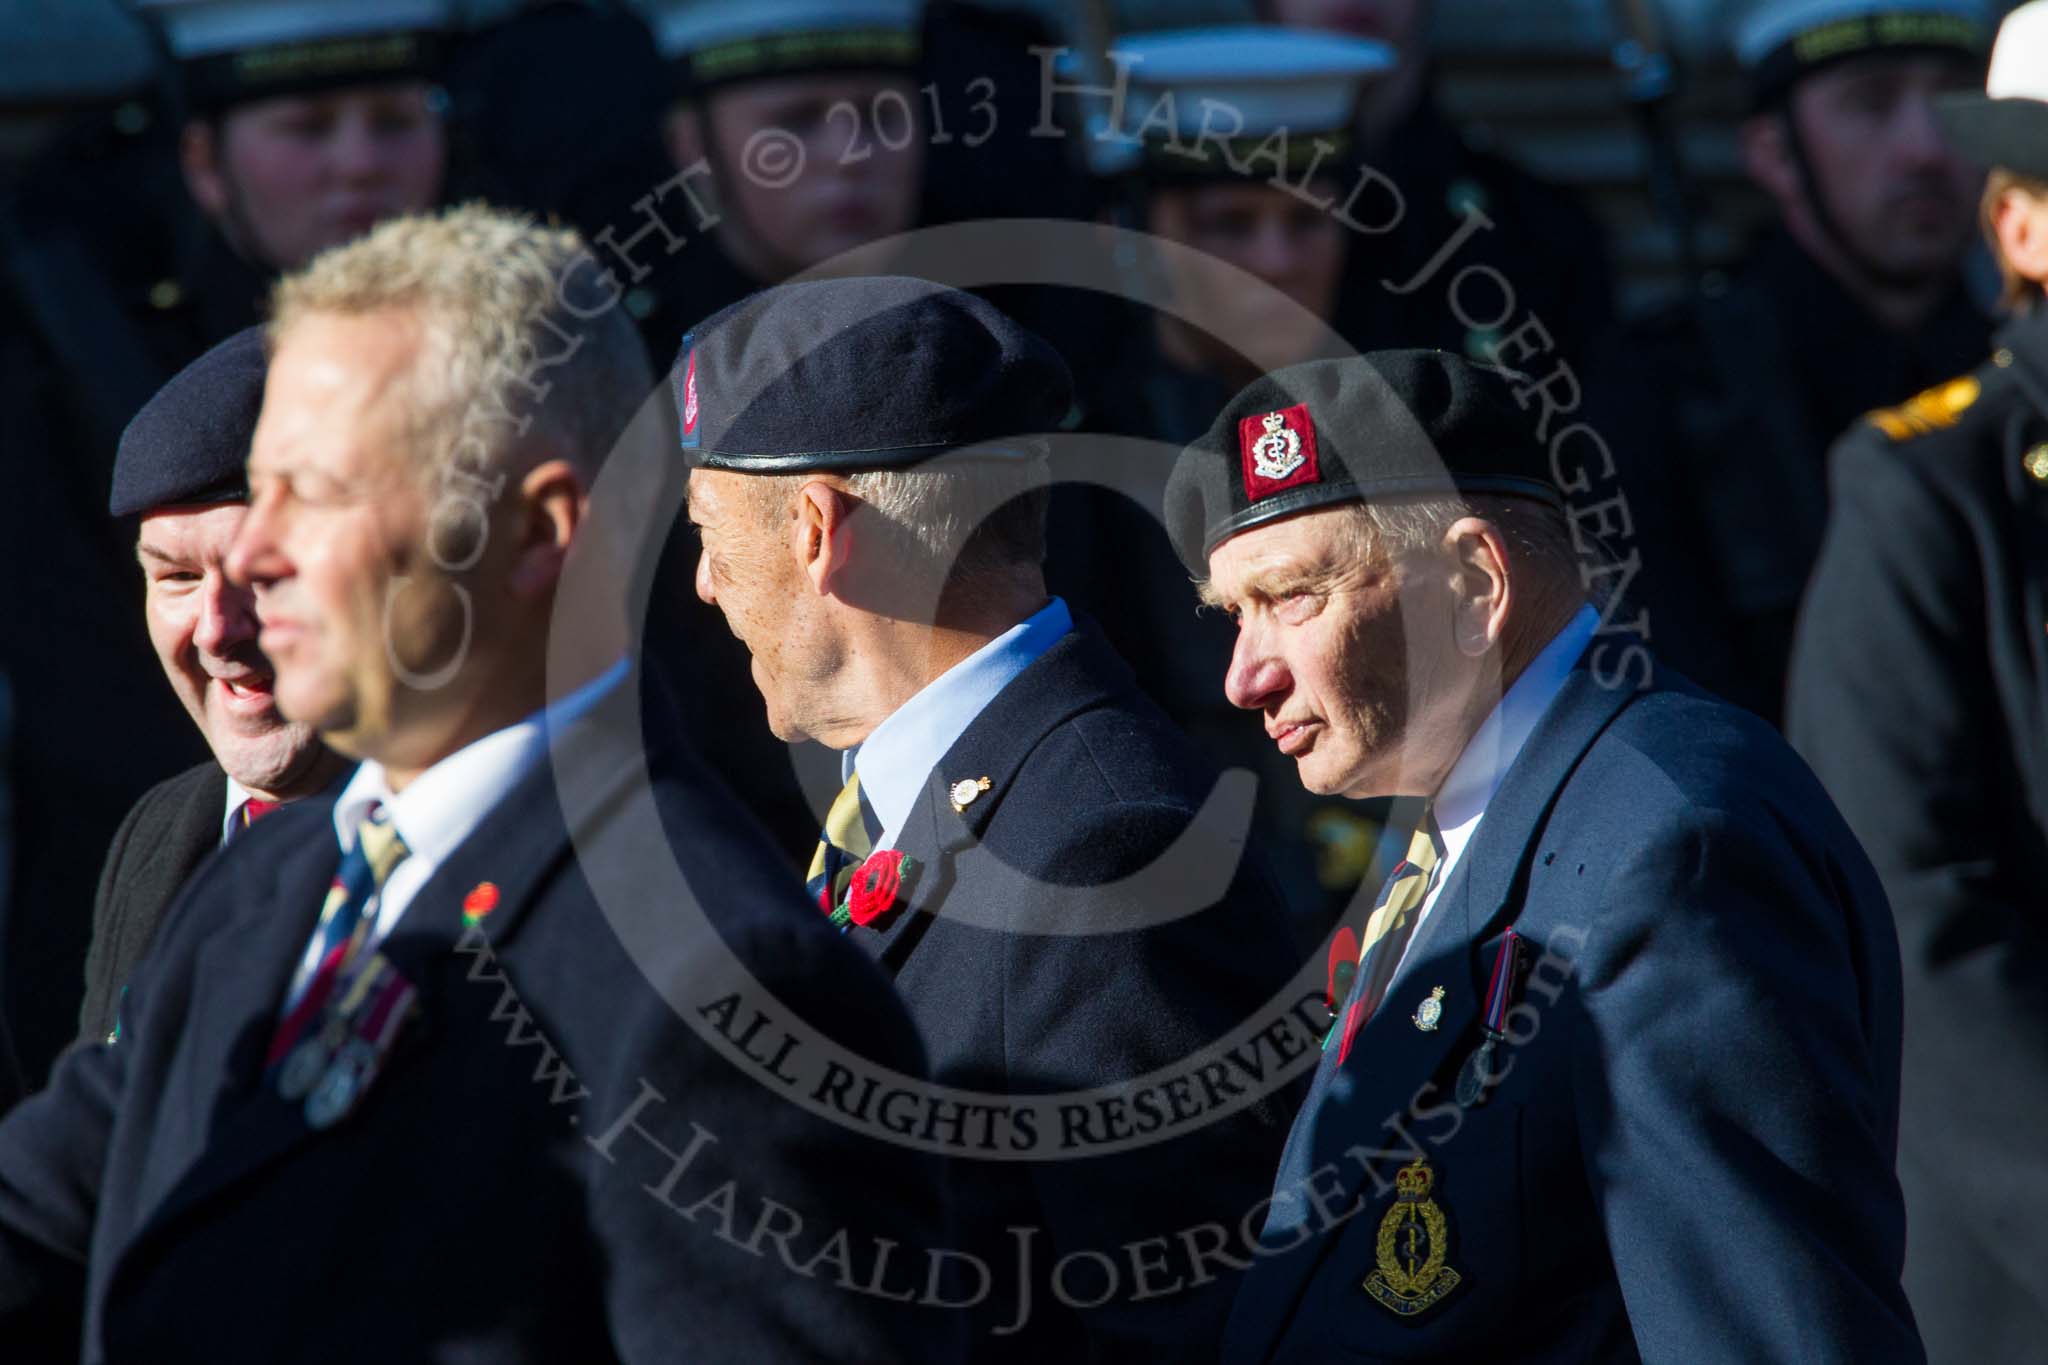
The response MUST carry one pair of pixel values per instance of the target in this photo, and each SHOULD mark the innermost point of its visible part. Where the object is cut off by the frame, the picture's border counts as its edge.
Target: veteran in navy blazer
(1024, 842)
(179, 475)
(1617, 1074)
(452, 1066)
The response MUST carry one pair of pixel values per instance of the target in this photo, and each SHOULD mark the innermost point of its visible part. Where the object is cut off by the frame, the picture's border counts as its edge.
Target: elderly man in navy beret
(180, 470)
(1617, 1073)
(1017, 841)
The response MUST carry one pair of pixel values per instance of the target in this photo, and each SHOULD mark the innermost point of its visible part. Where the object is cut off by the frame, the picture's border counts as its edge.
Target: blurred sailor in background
(1720, 410)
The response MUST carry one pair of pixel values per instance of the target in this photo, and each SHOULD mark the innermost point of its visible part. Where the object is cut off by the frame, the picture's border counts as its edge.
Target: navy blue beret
(1390, 424)
(190, 443)
(879, 372)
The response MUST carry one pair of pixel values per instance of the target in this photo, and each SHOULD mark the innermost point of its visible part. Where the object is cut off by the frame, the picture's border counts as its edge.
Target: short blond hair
(524, 352)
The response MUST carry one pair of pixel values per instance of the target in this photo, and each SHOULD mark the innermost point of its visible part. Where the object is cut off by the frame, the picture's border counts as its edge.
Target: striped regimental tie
(343, 924)
(1389, 928)
(851, 829)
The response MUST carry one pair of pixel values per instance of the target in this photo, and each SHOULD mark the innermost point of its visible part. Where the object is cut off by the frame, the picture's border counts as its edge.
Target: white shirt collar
(895, 760)
(1492, 749)
(237, 794)
(438, 809)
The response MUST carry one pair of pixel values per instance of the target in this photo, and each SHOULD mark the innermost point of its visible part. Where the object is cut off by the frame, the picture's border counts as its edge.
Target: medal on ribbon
(371, 1029)
(307, 1060)
(1477, 1076)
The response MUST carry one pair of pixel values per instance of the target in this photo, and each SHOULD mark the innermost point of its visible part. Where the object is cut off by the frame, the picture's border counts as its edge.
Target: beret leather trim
(1323, 495)
(1385, 425)
(866, 372)
(846, 461)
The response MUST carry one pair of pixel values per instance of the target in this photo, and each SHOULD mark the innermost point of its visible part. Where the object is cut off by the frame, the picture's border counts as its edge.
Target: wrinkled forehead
(1283, 551)
(191, 532)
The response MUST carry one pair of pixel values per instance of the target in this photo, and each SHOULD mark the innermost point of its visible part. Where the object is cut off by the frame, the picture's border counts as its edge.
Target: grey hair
(1537, 536)
(1536, 533)
(967, 518)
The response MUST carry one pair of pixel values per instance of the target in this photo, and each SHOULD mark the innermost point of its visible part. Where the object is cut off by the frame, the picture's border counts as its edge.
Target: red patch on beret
(1279, 451)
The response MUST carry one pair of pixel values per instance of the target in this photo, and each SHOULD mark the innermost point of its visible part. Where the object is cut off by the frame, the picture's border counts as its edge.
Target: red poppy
(481, 900)
(1343, 965)
(873, 892)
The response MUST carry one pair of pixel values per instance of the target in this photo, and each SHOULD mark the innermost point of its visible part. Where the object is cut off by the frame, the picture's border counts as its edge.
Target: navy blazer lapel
(1396, 1071)
(1080, 671)
(1471, 911)
(1499, 854)
(239, 977)
(516, 847)
(241, 973)
(931, 841)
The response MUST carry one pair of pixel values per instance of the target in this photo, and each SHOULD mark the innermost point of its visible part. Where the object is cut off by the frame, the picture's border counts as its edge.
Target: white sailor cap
(229, 51)
(1778, 41)
(2007, 125)
(1261, 91)
(715, 42)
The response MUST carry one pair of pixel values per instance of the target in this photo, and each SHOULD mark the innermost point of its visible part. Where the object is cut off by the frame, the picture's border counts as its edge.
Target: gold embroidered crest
(1929, 410)
(1414, 1243)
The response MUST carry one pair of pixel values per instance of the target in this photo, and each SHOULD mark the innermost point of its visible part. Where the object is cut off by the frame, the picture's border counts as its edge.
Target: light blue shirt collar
(1492, 749)
(895, 761)
(1464, 795)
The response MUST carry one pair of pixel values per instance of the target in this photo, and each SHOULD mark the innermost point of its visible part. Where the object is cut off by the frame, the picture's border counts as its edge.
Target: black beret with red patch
(1389, 424)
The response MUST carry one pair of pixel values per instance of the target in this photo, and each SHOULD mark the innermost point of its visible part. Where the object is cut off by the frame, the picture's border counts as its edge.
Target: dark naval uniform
(1920, 695)
(1551, 250)
(1719, 413)
(103, 302)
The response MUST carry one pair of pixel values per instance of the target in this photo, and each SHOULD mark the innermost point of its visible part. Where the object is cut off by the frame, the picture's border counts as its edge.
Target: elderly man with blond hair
(411, 1073)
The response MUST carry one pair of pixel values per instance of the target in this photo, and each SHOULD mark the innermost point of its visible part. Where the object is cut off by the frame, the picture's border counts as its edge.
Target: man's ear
(1767, 154)
(2020, 222)
(553, 506)
(683, 130)
(821, 535)
(1480, 584)
(199, 157)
